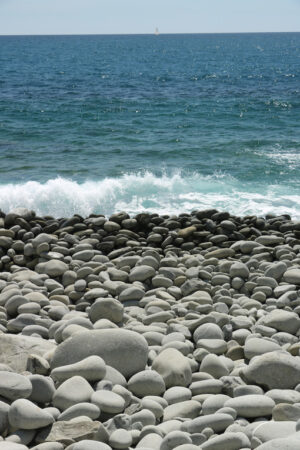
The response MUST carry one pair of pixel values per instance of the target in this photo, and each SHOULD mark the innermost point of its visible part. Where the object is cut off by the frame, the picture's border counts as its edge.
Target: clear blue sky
(142, 16)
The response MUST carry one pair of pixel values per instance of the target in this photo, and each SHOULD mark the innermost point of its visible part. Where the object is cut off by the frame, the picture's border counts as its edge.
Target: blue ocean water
(166, 123)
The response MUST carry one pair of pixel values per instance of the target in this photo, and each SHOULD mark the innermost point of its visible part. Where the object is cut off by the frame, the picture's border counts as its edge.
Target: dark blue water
(166, 123)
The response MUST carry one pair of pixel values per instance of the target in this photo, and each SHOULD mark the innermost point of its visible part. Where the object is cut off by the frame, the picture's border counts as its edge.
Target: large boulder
(124, 350)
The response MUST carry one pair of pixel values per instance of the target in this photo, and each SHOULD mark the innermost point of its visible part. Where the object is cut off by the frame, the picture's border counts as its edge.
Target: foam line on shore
(148, 192)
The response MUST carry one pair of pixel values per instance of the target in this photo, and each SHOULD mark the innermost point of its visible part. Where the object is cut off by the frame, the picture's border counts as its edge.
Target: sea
(165, 124)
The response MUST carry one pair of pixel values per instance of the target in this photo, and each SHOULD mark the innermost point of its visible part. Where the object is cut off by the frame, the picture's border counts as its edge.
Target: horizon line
(149, 34)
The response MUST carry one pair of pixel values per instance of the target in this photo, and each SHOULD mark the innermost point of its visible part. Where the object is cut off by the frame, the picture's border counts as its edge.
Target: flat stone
(228, 441)
(26, 415)
(258, 346)
(251, 406)
(177, 394)
(64, 431)
(15, 350)
(290, 396)
(220, 253)
(218, 422)
(267, 431)
(125, 350)
(189, 409)
(92, 368)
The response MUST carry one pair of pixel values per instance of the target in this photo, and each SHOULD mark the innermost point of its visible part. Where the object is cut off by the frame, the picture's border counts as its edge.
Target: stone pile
(153, 332)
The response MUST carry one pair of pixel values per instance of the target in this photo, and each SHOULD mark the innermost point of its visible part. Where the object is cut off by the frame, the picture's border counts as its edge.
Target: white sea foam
(61, 197)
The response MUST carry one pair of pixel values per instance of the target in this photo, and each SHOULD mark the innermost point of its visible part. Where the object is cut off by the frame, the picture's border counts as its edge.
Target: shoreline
(162, 332)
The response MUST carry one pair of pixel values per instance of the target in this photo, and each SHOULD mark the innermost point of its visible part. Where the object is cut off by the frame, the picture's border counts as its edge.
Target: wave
(134, 193)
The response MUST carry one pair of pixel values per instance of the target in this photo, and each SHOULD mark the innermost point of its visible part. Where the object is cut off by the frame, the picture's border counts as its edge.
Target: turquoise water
(165, 123)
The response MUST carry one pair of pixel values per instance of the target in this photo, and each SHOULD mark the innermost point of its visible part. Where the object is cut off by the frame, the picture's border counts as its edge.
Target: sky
(143, 16)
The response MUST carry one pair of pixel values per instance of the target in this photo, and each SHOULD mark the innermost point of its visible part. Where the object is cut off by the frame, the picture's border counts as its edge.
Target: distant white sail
(156, 32)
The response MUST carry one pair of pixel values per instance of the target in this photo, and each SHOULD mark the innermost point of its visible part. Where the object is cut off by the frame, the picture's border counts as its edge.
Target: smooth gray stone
(141, 273)
(257, 346)
(186, 409)
(144, 416)
(292, 276)
(108, 401)
(276, 270)
(146, 382)
(87, 444)
(228, 441)
(213, 403)
(107, 308)
(187, 447)
(208, 331)
(284, 395)
(42, 389)
(251, 406)
(131, 293)
(26, 415)
(114, 376)
(289, 443)
(53, 268)
(174, 439)
(282, 320)
(48, 446)
(72, 391)
(173, 367)
(80, 409)
(218, 422)
(12, 446)
(14, 386)
(151, 441)
(206, 387)
(275, 370)
(92, 368)
(125, 350)
(239, 269)
(177, 394)
(272, 430)
(214, 365)
(120, 439)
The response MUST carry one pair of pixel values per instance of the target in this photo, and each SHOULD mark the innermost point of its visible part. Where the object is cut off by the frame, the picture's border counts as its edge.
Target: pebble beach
(151, 332)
